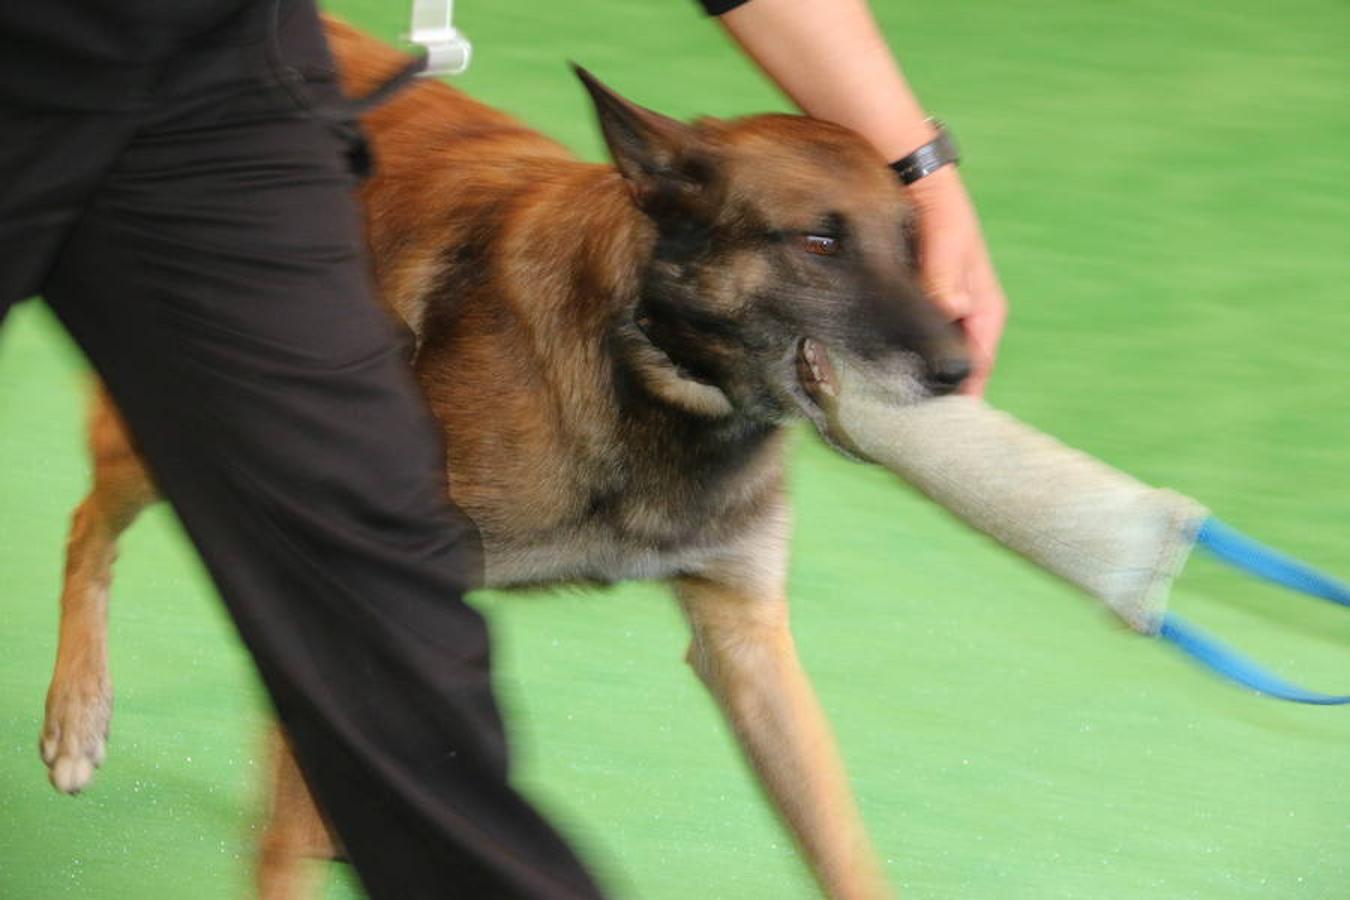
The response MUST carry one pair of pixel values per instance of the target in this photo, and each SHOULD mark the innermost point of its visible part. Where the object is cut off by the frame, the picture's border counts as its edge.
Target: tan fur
(296, 833)
(509, 261)
(79, 701)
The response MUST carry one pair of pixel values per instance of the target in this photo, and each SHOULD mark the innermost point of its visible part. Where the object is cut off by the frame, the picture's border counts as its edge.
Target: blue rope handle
(1235, 667)
(1240, 551)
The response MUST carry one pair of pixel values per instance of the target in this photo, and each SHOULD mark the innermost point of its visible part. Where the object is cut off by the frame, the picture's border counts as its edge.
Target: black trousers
(206, 253)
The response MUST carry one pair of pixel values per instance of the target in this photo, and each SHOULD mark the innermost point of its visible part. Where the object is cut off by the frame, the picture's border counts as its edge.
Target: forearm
(831, 60)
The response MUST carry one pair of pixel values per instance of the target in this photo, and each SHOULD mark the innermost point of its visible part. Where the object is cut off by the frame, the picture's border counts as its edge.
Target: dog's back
(444, 164)
(431, 107)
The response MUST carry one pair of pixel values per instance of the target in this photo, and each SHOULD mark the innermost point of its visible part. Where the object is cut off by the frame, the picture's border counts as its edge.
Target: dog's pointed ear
(662, 159)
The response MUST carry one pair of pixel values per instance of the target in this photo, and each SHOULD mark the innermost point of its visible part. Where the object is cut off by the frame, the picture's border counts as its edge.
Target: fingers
(969, 293)
(945, 273)
(944, 266)
(984, 327)
(956, 271)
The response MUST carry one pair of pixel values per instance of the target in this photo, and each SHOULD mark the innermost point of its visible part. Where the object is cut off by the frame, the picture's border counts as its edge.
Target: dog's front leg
(744, 653)
(79, 701)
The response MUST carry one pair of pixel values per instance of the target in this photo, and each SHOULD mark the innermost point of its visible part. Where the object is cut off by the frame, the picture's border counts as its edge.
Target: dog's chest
(585, 556)
(653, 503)
(613, 541)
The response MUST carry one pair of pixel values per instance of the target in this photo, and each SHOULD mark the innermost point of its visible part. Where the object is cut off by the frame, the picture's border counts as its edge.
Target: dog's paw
(75, 734)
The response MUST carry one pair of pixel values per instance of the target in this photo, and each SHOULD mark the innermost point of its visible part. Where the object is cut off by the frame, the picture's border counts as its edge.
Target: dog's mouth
(816, 374)
(816, 391)
(823, 385)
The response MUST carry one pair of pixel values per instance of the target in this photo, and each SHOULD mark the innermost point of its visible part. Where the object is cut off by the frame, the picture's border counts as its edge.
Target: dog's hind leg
(79, 701)
(744, 653)
(296, 833)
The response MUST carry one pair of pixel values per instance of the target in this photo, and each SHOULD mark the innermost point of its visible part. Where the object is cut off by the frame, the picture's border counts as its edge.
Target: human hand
(956, 270)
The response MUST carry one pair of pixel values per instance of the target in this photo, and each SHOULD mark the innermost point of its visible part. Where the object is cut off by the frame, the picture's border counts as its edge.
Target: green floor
(1165, 186)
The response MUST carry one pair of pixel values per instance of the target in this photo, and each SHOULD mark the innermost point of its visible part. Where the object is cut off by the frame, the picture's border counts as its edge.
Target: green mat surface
(1166, 189)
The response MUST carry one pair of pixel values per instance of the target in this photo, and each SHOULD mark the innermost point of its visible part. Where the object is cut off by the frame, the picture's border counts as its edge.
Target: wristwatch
(935, 154)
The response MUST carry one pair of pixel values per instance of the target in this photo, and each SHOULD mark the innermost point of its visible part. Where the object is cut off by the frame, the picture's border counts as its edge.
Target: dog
(615, 352)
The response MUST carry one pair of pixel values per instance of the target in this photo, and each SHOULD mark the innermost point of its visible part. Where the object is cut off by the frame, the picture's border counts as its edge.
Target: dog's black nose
(945, 375)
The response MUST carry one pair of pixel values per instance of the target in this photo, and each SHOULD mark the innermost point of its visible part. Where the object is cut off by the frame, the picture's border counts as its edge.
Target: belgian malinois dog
(614, 351)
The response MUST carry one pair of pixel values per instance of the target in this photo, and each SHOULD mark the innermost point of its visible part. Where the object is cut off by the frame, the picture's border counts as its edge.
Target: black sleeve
(717, 7)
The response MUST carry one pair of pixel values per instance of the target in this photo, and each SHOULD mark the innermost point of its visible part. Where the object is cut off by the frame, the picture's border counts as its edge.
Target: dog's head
(785, 244)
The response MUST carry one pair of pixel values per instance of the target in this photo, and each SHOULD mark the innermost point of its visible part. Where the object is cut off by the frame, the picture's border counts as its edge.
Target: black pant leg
(50, 163)
(217, 282)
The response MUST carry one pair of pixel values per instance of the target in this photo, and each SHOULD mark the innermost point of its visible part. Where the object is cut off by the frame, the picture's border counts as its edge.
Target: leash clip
(448, 51)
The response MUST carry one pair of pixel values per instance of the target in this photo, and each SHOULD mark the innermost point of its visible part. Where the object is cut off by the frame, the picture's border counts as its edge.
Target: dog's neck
(665, 379)
(597, 236)
(616, 248)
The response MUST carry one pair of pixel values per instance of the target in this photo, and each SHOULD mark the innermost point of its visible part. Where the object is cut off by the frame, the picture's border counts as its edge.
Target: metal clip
(448, 50)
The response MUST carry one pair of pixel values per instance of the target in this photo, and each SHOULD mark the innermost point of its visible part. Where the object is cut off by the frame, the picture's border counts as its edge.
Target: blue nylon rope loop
(1235, 667)
(1240, 551)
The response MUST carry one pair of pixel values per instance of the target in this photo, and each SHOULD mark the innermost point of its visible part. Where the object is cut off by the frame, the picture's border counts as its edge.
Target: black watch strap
(935, 154)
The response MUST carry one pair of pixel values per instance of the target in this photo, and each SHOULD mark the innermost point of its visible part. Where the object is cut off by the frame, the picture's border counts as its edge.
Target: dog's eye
(820, 244)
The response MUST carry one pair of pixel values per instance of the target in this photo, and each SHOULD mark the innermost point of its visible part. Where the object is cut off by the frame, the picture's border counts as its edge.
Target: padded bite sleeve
(1106, 532)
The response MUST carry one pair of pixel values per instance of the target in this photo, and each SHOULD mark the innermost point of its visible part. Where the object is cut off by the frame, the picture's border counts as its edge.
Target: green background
(1164, 186)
